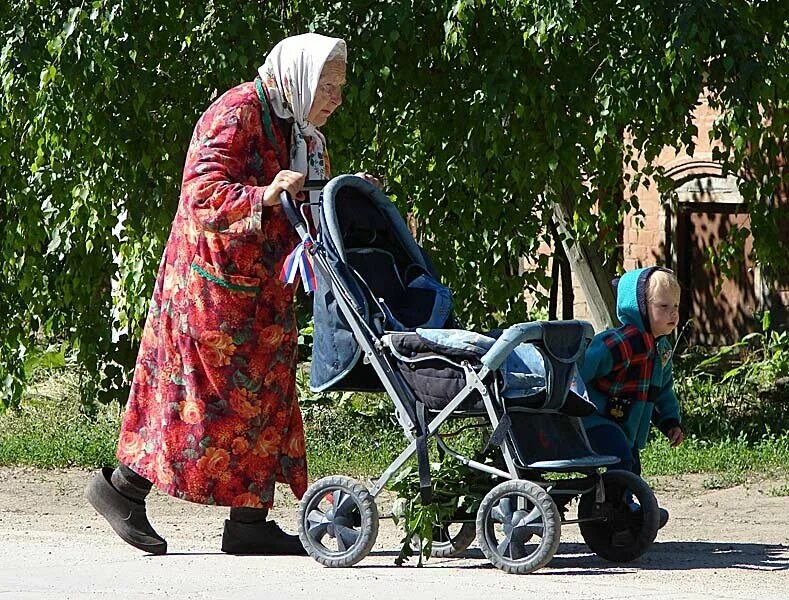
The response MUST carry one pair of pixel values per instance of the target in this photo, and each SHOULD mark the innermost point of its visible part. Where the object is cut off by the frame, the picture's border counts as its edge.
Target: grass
(767, 455)
(779, 491)
(723, 481)
(50, 430)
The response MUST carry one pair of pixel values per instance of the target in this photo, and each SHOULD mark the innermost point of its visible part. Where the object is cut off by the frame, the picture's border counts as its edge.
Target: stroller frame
(352, 503)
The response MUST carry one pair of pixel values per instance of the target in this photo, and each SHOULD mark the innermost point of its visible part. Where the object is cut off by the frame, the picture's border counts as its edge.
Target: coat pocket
(618, 409)
(221, 310)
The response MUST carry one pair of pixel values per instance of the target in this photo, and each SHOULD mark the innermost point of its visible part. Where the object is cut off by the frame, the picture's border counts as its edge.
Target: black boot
(125, 512)
(248, 532)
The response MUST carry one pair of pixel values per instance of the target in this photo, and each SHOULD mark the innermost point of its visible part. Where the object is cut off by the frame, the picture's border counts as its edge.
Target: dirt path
(730, 543)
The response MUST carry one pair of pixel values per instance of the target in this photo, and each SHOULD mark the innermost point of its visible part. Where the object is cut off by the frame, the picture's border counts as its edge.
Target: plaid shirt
(633, 353)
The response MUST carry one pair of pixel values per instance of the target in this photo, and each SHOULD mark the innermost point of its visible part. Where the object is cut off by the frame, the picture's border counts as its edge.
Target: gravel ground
(731, 543)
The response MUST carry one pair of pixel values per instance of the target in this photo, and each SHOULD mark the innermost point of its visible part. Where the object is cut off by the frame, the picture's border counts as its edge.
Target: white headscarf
(290, 76)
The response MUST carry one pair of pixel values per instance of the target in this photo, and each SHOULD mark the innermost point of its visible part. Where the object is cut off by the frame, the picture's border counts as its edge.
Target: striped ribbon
(299, 264)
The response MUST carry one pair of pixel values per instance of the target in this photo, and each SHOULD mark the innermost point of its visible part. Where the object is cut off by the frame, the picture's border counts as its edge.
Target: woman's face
(328, 95)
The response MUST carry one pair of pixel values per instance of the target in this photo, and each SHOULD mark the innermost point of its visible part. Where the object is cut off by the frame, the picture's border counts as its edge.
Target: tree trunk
(588, 267)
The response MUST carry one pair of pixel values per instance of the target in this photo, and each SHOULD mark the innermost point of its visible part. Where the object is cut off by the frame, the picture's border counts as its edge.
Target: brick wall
(644, 240)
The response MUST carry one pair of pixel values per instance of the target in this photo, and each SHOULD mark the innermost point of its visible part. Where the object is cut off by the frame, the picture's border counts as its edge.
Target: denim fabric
(467, 341)
(334, 347)
(611, 441)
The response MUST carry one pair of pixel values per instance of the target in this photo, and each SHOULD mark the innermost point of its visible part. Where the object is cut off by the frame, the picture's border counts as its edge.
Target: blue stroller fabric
(523, 371)
(360, 227)
(439, 311)
(392, 285)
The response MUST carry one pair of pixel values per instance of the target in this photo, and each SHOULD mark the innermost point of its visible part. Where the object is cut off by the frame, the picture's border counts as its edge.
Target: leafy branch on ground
(457, 493)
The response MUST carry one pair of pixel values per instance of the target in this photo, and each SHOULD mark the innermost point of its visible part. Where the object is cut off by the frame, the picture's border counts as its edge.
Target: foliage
(763, 357)
(713, 410)
(484, 116)
(97, 104)
(457, 493)
(480, 113)
(738, 391)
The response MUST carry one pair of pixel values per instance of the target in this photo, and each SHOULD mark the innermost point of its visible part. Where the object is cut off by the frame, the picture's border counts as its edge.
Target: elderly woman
(213, 416)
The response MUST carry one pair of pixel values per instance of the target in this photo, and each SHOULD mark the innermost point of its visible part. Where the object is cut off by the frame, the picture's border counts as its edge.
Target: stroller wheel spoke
(343, 504)
(534, 529)
(317, 531)
(531, 517)
(517, 550)
(316, 517)
(502, 512)
(346, 537)
(336, 499)
(504, 545)
(317, 525)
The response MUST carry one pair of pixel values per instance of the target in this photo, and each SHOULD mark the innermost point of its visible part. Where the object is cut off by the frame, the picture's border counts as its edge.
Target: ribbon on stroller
(299, 264)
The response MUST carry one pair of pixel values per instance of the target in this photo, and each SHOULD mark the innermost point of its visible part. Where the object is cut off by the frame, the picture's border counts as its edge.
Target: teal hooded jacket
(628, 372)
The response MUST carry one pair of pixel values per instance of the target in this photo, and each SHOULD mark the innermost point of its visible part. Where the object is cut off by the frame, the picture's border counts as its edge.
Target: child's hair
(661, 279)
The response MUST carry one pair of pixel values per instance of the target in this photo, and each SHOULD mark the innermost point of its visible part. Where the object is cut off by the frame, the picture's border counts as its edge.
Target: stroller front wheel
(338, 521)
(518, 526)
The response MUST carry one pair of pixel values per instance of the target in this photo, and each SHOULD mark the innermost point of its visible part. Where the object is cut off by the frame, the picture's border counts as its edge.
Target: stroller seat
(430, 360)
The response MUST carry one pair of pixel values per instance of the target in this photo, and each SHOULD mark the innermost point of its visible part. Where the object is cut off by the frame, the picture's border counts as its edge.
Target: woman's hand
(285, 181)
(368, 177)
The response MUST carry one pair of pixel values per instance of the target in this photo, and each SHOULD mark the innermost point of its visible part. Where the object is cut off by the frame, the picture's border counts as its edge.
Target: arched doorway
(708, 209)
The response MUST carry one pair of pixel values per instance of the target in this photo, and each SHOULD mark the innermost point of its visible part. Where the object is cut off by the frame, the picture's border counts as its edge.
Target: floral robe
(213, 416)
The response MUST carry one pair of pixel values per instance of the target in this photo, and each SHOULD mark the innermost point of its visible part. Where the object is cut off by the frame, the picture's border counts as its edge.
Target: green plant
(723, 481)
(457, 493)
(779, 491)
(738, 391)
(760, 357)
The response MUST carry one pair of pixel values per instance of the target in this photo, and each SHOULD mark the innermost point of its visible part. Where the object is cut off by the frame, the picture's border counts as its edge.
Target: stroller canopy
(375, 258)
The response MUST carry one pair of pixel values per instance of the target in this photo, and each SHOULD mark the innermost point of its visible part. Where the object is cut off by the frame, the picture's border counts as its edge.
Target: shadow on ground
(663, 556)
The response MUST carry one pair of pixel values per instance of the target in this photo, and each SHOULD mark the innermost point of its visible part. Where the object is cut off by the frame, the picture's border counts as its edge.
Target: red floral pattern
(213, 415)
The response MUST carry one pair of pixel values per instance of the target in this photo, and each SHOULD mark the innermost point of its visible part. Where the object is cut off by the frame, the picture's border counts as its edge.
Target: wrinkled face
(663, 311)
(328, 95)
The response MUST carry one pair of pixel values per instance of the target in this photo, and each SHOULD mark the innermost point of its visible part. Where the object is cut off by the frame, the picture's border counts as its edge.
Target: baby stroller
(383, 322)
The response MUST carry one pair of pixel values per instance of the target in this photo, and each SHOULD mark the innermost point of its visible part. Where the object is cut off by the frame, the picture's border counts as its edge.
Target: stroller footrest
(584, 462)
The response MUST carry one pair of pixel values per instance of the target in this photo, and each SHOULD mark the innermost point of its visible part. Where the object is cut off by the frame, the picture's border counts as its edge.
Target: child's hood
(631, 298)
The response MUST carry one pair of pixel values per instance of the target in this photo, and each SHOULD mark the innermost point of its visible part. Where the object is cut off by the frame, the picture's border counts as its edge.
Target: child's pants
(610, 440)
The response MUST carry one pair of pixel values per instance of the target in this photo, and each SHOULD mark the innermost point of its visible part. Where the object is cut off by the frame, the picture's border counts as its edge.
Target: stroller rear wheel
(626, 522)
(452, 539)
(449, 540)
(518, 526)
(338, 521)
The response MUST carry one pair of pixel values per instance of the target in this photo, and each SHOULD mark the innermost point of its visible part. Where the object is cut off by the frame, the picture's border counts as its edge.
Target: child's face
(663, 311)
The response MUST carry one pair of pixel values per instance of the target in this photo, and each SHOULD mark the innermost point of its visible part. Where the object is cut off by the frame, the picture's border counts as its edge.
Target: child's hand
(675, 436)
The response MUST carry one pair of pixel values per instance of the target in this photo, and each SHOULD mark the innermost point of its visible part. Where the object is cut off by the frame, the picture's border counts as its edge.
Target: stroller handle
(293, 213)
